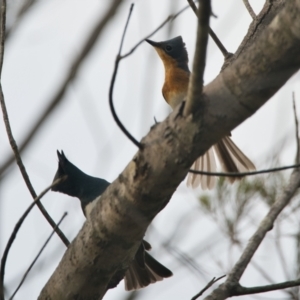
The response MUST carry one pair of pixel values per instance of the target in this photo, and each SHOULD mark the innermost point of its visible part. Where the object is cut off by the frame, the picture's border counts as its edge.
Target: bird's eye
(168, 48)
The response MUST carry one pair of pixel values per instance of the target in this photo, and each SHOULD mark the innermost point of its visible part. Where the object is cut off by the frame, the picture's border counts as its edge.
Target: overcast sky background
(38, 56)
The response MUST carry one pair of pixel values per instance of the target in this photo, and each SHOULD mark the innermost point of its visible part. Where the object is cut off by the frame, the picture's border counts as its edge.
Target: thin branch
(231, 287)
(250, 10)
(242, 174)
(36, 258)
(170, 18)
(240, 290)
(196, 81)
(296, 129)
(10, 135)
(214, 280)
(15, 231)
(219, 44)
(19, 161)
(112, 84)
(167, 20)
(125, 29)
(264, 227)
(73, 70)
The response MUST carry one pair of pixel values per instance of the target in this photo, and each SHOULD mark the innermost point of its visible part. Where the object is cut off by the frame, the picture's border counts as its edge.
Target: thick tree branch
(112, 233)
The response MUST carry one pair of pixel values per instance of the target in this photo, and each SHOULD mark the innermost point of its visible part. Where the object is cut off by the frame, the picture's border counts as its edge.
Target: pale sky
(36, 59)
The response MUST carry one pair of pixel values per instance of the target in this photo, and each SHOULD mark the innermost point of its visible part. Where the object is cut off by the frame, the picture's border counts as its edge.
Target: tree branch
(214, 280)
(212, 34)
(241, 290)
(110, 237)
(12, 141)
(196, 80)
(250, 10)
(231, 286)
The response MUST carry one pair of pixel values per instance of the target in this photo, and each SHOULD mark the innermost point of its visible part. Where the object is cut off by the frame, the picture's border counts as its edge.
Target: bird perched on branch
(175, 59)
(144, 269)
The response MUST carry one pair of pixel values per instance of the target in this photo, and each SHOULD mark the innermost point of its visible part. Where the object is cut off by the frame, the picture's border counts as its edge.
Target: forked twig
(112, 84)
(219, 44)
(213, 281)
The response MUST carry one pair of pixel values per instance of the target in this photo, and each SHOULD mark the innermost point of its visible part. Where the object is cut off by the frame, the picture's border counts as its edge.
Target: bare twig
(170, 18)
(15, 231)
(231, 286)
(219, 44)
(167, 20)
(11, 139)
(250, 10)
(265, 226)
(58, 97)
(242, 174)
(23, 170)
(296, 130)
(241, 290)
(214, 280)
(112, 84)
(36, 258)
(196, 81)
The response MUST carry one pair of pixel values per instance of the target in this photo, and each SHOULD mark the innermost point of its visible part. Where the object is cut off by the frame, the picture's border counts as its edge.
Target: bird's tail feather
(137, 277)
(206, 162)
(231, 158)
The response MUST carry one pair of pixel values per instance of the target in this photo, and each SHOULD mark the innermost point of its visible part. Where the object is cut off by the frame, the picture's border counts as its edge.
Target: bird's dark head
(172, 51)
(71, 185)
(77, 184)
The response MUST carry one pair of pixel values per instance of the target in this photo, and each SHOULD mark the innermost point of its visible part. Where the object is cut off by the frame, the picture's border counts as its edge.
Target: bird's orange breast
(176, 80)
(175, 86)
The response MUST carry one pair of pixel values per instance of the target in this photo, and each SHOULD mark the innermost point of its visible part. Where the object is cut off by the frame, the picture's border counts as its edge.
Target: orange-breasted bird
(175, 59)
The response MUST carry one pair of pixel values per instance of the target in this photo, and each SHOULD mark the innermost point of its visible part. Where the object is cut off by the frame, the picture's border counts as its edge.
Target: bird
(143, 269)
(175, 59)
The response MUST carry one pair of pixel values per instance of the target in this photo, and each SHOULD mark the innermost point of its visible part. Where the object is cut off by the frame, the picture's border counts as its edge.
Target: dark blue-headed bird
(175, 59)
(144, 269)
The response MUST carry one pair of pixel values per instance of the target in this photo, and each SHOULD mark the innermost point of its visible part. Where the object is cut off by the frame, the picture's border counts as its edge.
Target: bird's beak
(154, 44)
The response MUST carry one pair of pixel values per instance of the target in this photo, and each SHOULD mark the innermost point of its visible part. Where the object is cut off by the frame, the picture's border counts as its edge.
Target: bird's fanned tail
(137, 277)
(231, 158)
(206, 162)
